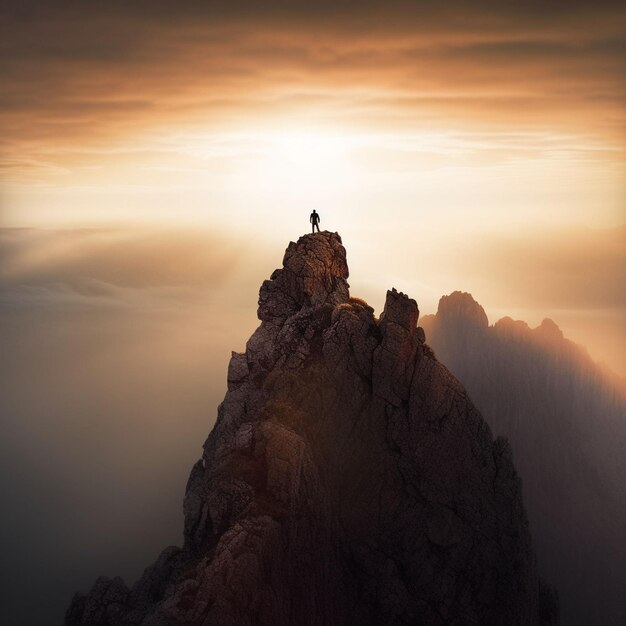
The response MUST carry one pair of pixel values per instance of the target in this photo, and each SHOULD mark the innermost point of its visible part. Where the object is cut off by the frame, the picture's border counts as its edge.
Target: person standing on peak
(315, 220)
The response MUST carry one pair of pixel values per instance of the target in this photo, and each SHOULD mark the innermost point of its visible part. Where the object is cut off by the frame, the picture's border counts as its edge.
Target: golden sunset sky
(459, 145)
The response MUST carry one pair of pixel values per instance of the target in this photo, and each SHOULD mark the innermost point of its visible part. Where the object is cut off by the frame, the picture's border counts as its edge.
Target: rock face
(564, 417)
(348, 480)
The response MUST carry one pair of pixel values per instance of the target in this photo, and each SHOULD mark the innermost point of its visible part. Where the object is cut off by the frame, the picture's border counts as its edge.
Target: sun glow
(302, 163)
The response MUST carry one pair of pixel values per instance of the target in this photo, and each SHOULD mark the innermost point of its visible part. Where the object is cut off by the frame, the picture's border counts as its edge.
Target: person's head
(314, 211)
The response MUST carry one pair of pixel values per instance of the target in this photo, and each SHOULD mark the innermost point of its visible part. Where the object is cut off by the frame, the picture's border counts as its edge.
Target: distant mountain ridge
(566, 419)
(348, 480)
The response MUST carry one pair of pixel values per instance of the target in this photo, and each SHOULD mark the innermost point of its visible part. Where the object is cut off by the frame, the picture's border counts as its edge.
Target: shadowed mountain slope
(566, 420)
(348, 480)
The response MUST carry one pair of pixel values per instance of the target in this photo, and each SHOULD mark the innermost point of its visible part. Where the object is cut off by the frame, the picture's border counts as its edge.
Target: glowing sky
(424, 131)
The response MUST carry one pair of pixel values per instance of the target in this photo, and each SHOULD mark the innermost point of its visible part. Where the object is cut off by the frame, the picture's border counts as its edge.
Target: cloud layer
(84, 78)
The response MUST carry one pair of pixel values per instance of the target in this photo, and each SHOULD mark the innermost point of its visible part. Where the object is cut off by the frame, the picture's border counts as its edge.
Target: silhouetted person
(315, 220)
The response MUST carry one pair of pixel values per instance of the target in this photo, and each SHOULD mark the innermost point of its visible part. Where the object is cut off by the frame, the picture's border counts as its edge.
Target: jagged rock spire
(348, 480)
(314, 273)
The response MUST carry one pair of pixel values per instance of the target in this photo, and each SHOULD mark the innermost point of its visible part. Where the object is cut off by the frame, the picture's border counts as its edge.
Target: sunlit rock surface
(348, 480)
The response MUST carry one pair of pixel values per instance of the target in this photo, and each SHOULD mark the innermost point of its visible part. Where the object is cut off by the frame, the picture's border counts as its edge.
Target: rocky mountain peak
(550, 330)
(348, 480)
(460, 307)
(314, 273)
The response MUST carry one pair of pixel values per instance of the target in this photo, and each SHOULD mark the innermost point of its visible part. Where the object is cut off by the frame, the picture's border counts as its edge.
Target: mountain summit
(348, 480)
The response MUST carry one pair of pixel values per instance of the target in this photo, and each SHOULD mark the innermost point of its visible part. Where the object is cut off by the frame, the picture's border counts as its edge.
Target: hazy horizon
(135, 265)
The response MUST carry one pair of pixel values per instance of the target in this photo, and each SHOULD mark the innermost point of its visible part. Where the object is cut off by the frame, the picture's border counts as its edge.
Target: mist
(111, 371)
